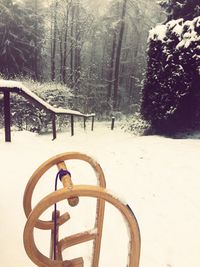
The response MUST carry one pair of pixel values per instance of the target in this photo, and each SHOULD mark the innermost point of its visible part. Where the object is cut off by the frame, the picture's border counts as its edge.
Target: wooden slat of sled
(87, 191)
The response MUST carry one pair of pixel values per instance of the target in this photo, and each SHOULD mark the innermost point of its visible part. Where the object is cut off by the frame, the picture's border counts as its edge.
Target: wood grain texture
(81, 191)
(72, 193)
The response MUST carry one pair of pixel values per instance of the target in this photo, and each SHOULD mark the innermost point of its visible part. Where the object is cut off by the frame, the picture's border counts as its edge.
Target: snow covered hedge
(171, 94)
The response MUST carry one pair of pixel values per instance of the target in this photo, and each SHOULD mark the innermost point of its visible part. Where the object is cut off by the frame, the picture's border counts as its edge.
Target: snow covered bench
(7, 87)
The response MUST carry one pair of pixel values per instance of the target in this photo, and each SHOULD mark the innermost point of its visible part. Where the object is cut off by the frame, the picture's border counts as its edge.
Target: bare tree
(36, 39)
(77, 52)
(64, 78)
(111, 68)
(53, 39)
(72, 45)
(118, 55)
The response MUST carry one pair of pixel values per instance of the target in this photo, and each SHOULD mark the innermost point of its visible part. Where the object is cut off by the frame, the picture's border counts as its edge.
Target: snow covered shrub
(26, 115)
(171, 94)
(56, 94)
(188, 9)
(135, 124)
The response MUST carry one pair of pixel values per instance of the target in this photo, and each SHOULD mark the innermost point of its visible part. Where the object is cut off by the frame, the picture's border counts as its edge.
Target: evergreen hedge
(171, 94)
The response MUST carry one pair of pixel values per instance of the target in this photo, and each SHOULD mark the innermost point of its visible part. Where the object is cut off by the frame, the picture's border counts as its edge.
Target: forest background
(94, 52)
(98, 56)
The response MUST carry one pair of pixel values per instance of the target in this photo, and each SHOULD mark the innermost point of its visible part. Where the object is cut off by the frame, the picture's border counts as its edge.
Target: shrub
(26, 115)
(136, 125)
(171, 95)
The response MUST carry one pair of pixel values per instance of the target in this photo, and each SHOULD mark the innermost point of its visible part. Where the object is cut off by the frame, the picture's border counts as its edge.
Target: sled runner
(72, 193)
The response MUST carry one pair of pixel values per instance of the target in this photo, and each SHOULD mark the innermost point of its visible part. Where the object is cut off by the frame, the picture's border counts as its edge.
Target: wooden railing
(7, 87)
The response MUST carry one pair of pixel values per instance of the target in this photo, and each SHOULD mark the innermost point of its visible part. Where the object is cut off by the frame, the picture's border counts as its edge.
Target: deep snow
(157, 176)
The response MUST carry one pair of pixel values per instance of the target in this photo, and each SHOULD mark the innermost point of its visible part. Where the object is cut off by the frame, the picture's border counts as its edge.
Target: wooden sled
(72, 193)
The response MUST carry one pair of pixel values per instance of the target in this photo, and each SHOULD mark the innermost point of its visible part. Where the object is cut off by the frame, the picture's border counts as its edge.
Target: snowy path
(158, 177)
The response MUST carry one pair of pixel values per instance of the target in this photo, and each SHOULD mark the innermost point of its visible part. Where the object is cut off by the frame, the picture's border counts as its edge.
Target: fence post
(84, 122)
(113, 123)
(54, 126)
(92, 127)
(72, 125)
(7, 117)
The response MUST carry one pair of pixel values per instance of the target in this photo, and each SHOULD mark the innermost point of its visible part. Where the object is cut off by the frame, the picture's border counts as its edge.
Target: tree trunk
(102, 62)
(53, 41)
(36, 41)
(65, 44)
(118, 55)
(77, 59)
(134, 67)
(72, 47)
(61, 54)
(111, 70)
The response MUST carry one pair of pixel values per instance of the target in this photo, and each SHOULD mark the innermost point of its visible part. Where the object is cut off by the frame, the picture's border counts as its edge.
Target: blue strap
(59, 175)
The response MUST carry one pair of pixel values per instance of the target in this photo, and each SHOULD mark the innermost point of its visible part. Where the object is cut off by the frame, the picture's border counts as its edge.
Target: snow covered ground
(159, 178)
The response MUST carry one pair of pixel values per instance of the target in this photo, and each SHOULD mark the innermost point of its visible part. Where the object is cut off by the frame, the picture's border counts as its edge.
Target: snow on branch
(185, 31)
(7, 84)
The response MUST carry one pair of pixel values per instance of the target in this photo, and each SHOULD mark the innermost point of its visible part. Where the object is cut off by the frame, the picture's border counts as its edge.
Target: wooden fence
(8, 87)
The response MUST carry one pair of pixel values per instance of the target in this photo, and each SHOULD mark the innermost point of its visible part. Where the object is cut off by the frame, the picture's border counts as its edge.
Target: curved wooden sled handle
(83, 191)
(59, 160)
(72, 193)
